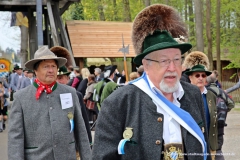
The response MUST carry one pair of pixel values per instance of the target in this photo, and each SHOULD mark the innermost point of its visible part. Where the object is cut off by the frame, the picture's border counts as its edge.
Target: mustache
(170, 74)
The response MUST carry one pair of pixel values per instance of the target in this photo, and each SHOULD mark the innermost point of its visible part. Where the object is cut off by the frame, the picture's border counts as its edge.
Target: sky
(9, 36)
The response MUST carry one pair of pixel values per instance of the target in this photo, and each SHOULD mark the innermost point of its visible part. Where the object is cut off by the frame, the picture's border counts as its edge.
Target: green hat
(157, 41)
(198, 68)
(30, 71)
(63, 71)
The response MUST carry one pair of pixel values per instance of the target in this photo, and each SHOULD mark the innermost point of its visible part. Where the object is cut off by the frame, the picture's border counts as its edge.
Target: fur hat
(156, 17)
(62, 52)
(194, 58)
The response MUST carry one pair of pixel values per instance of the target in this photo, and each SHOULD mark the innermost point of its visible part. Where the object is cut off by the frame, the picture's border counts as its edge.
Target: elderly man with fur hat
(45, 119)
(156, 116)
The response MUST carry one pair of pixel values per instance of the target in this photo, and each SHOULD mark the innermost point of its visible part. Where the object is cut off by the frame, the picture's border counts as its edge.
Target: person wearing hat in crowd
(62, 78)
(192, 59)
(28, 80)
(25, 71)
(49, 124)
(3, 106)
(15, 78)
(156, 116)
(106, 86)
(198, 75)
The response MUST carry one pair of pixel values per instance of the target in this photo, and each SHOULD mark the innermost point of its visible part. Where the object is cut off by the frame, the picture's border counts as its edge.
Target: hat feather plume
(156, 17)
(196, 57)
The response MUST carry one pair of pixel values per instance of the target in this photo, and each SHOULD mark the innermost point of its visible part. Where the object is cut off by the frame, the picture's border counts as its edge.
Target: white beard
(167, 89)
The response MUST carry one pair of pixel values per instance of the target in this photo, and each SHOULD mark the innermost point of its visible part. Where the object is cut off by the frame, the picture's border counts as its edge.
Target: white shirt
(171, 128)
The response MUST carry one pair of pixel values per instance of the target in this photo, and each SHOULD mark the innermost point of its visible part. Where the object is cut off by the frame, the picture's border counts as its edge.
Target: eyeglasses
(202, 75)
(166, 62)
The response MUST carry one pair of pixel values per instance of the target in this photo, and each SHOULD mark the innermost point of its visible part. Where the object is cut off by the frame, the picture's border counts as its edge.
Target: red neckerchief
(42, 87)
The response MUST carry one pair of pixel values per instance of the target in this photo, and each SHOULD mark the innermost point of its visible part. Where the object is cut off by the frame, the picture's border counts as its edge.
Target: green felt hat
(63, 71)
(157, 41)
(198, 68)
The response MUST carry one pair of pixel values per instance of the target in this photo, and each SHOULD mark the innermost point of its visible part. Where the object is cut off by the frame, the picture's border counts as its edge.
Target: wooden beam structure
(54, 33)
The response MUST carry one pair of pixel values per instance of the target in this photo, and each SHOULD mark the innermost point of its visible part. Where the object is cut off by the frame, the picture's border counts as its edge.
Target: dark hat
(157, 41)
(109, 70)
(16, 67)
(63, 71)
(198, 68)
(30, 71)
(44, 53)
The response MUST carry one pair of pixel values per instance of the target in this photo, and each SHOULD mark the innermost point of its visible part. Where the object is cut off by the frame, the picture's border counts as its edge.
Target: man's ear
(145, 65)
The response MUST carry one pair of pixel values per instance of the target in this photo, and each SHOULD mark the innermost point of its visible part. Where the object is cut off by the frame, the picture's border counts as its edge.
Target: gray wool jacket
(129, 106)
(40, 129)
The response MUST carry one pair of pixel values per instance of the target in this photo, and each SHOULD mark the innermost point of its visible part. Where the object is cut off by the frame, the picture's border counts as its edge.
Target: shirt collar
(204, 91)
(178, 94)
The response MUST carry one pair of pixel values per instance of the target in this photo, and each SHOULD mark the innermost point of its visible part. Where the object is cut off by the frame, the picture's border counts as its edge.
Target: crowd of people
(168, 110)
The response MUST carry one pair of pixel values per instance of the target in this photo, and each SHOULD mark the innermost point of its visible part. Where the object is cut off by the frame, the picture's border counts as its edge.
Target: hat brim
(61, 62)
(184, 47)
(64, 73)
(208, 73)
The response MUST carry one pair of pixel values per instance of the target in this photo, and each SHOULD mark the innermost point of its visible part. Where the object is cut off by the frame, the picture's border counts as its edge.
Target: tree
(126, 11)
(77, 11)
(218, 39)
(147, 3)
(209, 34)
(199, 25)
(100, 11)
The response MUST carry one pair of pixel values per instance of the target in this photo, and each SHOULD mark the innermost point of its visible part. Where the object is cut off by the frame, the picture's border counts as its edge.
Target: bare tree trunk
(126, 11)
(218, 39)
(191, 20)
(209, 34)
(100, 11)
(24, 45)
(147, 3)
(199, 25)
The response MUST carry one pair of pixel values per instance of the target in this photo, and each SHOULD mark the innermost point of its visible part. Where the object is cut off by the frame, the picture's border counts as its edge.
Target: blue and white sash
(181, 116)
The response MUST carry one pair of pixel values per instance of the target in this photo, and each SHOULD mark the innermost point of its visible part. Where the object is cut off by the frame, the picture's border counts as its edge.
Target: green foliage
(230, 19)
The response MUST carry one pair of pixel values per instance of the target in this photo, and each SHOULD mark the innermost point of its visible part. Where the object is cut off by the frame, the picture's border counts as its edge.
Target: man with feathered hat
(45, 119)
(156, 116)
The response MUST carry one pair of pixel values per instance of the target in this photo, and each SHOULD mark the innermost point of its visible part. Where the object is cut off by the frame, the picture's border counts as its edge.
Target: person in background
(211, 80)
(198, 75)
(3, 106)
(28, 80)
(97, 73)
(70, 69)
(25, 71)
(63, 78)
(83, 84)
(15, 78)
(77, 79)
(140, 70)
(92, 114)
(121, 77)
(215, 76)
(133, 75)
(46, 120)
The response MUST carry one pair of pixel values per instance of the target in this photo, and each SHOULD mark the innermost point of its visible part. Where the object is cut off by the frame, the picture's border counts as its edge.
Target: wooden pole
(125, 68)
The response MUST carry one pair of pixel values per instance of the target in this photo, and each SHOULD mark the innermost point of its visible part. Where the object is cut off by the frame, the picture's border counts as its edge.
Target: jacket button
(159, 119)
(213, 134)
(213, 125)
(158, 142)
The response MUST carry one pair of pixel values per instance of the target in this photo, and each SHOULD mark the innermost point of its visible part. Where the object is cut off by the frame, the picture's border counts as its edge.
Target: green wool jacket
(213, 132)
